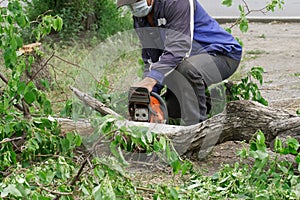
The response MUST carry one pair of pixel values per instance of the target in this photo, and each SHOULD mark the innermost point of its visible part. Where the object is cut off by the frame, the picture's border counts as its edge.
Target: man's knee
(190, 72)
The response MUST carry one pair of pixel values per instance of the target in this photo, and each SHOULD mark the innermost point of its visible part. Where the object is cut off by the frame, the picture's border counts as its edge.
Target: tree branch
(93, 103)
(239, 121)
(43, 67)
(249, 11)
(54, 192)
(78, 66)
(4, 79)
(6, 140)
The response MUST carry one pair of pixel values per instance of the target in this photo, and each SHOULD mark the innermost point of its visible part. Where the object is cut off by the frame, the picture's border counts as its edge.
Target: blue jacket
(182, 29)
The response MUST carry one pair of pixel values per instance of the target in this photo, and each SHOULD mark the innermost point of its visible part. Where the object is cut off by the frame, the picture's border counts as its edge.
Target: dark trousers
(186, 85)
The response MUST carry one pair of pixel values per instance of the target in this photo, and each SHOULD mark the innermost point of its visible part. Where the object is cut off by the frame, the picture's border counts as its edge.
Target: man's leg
(188, 84)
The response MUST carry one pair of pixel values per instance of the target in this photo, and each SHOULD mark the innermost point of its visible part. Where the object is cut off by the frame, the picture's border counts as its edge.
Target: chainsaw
(145, 106)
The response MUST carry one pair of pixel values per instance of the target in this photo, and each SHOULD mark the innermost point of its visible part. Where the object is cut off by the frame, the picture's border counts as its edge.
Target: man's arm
(179, 35)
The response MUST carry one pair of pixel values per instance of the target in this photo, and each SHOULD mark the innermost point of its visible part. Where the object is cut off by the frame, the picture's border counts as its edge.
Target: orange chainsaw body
(144, 106)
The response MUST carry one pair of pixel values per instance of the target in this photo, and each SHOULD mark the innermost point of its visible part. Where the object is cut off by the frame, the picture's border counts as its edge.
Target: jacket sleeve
(178, 38)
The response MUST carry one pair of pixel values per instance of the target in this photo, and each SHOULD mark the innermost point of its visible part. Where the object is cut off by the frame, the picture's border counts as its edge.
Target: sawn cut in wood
(239, 121)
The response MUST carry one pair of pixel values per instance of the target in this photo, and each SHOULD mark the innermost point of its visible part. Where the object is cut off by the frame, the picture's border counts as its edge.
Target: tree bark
(239, 121)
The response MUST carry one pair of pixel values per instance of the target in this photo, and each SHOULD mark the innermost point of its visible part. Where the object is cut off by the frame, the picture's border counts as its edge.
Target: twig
(93, 103)
(76, 178)
(25, 106)
(78, 66)
(3, 78)
(54, 192)
(61, 71)
(18, 106)
(5, 140)
(43, 66)
(55, 78)
(146, 189)
(37, 20)
(26, 111)
(248, 12)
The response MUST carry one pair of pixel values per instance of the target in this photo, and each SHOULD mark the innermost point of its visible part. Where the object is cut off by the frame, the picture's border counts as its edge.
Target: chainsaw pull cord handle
(162, 103)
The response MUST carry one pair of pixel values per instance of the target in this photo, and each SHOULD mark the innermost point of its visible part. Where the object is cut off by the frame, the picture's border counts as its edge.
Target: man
(186, 50)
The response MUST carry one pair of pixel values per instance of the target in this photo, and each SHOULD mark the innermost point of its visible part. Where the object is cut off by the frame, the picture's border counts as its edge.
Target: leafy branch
(245, 10)
(247, 89)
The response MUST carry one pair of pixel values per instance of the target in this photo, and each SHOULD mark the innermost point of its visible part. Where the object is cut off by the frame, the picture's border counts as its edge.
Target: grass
(297, 74)
(85, 66)
(255, 52)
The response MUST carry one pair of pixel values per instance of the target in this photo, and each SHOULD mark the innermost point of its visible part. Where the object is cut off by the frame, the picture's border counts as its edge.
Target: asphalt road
(216, 9)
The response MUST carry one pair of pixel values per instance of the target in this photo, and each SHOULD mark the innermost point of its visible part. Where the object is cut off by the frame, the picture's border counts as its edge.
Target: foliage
(38, 161)
(244, 10)
(247, 89)
(80, 16)
(269, 178)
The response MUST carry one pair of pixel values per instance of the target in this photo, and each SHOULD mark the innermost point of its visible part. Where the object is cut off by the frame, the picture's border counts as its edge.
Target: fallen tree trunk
(239, 121)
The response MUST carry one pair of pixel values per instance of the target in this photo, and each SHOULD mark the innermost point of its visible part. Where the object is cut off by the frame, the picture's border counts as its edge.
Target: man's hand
(147, 82)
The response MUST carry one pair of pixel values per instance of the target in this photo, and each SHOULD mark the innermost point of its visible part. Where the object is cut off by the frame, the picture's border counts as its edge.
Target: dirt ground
(276, 47)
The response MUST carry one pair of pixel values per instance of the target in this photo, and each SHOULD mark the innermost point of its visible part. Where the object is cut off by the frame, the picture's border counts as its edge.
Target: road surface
(216, 9)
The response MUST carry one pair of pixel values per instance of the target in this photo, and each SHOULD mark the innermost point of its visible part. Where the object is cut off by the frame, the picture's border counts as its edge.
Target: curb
(223, 19)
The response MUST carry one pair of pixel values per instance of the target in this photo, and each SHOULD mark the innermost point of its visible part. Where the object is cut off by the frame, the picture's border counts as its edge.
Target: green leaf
(173, 193)
(185, 167)
(263, 101)
(30, 96)
(11, 189)
(57, 24)
(157, 146)
(10, 58)
(78, 140)
(13, 44)
(163, 143)
(45, 83)
(176, 165)
(117, 152)
(21, 87)
(260, 140)
(229, 30)
(22, 21)
(293, 145)
(256, 72)
(278, 145)
(47, 107)
(242, 10)
(227, 3)
(244, 26)
(149, 136)
(42, 176)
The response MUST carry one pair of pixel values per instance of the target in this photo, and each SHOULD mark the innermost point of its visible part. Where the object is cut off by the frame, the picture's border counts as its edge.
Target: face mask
(140, 8)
